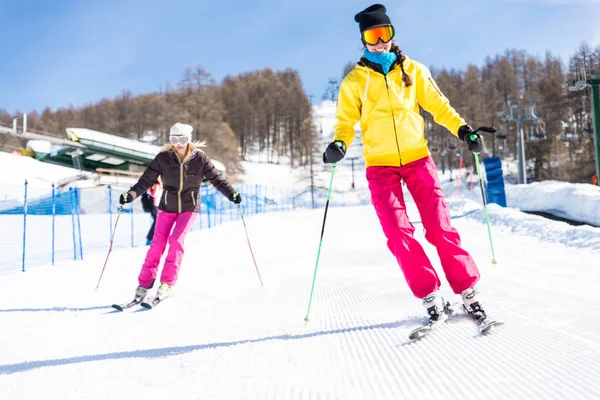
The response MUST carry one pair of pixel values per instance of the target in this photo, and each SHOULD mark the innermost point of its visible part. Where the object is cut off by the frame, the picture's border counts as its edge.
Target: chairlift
(501, 136)
(434, 150)
(540, 131)
(452, 147)
(568, 132)
(536, 133)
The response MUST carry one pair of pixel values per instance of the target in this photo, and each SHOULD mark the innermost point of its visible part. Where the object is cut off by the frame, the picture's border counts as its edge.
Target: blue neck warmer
(384, 59)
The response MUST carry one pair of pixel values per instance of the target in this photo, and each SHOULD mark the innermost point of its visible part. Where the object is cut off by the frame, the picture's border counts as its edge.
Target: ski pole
(248, 239)
(320, 242)
(487, 220)
(110, 247)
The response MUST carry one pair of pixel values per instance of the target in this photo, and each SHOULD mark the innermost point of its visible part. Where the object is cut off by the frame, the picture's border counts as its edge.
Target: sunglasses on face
(372, 36)
(178, 140)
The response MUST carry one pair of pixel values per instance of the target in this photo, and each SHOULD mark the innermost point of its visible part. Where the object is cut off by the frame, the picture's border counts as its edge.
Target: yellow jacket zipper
(387, 89)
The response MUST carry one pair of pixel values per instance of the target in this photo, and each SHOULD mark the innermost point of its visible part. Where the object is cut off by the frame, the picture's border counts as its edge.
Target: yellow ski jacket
(388, 110)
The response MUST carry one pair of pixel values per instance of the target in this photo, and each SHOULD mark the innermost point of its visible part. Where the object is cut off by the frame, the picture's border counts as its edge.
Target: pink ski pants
(162, 234)
(422, 181)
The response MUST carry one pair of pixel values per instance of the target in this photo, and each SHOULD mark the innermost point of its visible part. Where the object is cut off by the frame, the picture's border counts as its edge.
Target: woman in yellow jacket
(384, 92)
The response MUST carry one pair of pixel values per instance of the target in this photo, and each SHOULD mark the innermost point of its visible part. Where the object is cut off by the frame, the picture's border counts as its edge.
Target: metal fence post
(77, 205)
(73, 223)
(221, 208)
(208, 203)
(24, 226)
(255, 199)
(202, 195)
(53, 221)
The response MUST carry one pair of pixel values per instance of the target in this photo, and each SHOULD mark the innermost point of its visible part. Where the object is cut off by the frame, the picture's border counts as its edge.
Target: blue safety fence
(44, 225)
(494, 176)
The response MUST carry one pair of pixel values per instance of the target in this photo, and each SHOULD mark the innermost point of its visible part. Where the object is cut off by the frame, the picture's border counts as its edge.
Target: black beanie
(372, 17)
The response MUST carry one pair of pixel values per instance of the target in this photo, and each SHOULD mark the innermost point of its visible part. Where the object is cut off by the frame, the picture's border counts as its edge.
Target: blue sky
(73, 52)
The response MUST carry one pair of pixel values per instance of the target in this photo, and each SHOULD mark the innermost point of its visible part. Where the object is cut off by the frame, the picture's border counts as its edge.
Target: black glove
(125, 198)
(236, 198)
(334, 152)
(472, 139)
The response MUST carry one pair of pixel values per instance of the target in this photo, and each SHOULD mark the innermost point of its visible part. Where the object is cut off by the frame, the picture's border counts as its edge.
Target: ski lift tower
(581, 83)
(513, 114)
(23, 126)
(595, 85)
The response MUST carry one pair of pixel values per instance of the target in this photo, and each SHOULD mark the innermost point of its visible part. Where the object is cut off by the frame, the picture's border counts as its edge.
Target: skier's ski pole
(248, 239)
(487, 219)
(111, 243)
(320, 242)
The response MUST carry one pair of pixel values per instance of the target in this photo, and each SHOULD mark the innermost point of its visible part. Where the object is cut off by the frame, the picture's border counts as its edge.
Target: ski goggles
(178, 140)
(372, 36)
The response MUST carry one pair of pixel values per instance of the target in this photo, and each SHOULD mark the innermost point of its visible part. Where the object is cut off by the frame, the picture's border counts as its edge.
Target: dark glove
(236, 198)
(125, 198)
(473, 140)
(334, 152)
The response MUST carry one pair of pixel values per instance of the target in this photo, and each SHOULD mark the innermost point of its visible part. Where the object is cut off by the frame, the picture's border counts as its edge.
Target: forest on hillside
(269, 111)
(556, 119)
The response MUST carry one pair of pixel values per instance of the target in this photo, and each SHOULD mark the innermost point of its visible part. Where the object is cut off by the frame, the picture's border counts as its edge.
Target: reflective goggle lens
(372, 36)
(178, 140)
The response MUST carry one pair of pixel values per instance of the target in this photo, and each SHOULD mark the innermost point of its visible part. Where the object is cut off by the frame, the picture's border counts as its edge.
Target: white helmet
(180, 130)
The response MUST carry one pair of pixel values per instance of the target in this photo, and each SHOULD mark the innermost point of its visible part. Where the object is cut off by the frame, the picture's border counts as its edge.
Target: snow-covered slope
(223, 336)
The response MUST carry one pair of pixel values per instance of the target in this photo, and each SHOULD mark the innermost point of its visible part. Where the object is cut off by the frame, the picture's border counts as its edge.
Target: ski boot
(471, 304)
(473, 307)
(163, 291)
(438, 313)
(437, 310)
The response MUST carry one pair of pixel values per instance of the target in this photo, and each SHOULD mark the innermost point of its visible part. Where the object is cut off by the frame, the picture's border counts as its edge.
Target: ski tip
(146, 305)
(117, 307)
(417, 336)
(488, 326)
(418, 333)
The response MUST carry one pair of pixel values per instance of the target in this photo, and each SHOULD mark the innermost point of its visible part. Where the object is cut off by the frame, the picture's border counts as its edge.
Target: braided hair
(401, 57)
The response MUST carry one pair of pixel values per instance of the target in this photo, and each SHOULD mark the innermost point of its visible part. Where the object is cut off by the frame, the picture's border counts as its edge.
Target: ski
(151, 304)
(487, 325)
(123, 307)
(425, 330)
(484, 325)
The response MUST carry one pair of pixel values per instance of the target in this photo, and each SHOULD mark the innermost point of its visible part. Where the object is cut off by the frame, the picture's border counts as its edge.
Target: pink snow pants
(422, 181)
(162, 233)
